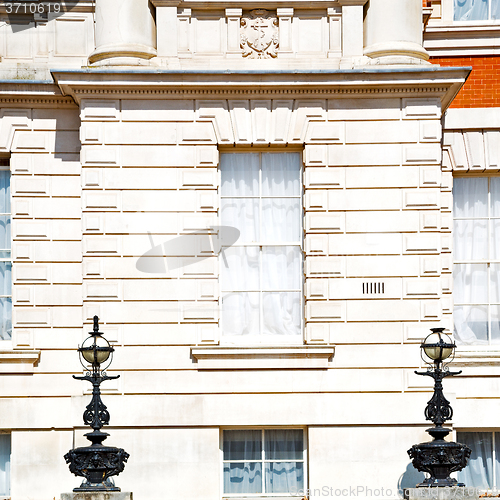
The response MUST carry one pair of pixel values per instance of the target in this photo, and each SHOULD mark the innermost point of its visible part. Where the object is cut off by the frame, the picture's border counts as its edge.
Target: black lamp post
(96, 463)
(439, 458)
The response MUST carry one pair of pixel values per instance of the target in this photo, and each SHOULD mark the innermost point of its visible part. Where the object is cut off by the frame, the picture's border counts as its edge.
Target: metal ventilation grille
(371, 288)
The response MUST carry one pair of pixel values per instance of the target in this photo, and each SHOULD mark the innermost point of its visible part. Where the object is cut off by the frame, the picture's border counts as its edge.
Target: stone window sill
(18, 361)
(262, 357)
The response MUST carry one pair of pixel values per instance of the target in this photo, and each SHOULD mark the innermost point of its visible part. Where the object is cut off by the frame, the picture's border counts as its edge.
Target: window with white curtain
(476, 254)
(4, 465)
(263, 461)
(5, 255)
(476, 10)
(261, 273)
(483, 469)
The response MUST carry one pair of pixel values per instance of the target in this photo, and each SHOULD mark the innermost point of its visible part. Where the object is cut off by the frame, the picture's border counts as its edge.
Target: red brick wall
(482, 88)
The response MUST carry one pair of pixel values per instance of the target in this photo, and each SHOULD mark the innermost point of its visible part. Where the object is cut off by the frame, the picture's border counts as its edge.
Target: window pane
(495, 283)
(470, 197)
(242, 214)
(281, 220)
(241, 313)
(281, 311)
(471, 324)
(240, 269)
(243, 445)
(470, 240)
(5, 242)
(281, 268)
(4, 464)
(5, 191)
(495, 196)
(495, 9)
(495, 325)
(243, 477)
(495, 239)
(470, 283)
(239, 174)
(281, 174)
(284, 477)
(470, 10)
(284, 444)
(479, 471)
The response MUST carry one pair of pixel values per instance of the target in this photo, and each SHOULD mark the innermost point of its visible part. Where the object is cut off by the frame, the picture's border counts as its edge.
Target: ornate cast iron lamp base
(96, 463)
(439, 458)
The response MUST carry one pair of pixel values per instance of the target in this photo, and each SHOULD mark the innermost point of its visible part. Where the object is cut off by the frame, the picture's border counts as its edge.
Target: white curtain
(261, 275)
(495, 9)
(476, 238)
(4, 464)
(5, 253)
(479, 471)
(471, 10)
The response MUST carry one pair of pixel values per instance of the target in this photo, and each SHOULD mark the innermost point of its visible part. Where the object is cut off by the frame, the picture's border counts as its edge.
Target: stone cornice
(257, 4)
(429, 81)
(36, 94)
(461, 40)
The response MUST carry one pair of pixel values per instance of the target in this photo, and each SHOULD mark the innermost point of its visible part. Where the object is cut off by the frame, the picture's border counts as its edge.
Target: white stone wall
(376, 210)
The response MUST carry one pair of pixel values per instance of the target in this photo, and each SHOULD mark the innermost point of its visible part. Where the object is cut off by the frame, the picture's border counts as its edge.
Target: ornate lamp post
(96, 463)
(439, 458)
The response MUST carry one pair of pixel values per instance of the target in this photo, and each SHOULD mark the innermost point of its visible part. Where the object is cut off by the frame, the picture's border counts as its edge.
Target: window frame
(492, 431)
(261, 339)
(304, 460)
(488, 262)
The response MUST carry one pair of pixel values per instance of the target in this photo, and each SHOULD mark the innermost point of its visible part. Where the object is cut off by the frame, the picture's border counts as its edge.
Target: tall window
(261, 274)
(5, 255)
(4, 465)
(476, 10)
(483, 469)
(476, 270)
(269, 461)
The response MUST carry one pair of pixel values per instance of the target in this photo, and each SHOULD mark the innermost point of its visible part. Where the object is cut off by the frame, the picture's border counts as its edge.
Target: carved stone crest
(259, 34)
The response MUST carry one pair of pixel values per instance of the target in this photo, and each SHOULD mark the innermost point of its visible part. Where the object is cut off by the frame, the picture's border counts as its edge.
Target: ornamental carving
(259, 35)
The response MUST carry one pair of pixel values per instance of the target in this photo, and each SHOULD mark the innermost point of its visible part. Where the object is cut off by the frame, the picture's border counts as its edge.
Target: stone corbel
(233, 18)
(285, 18)
(166, 22)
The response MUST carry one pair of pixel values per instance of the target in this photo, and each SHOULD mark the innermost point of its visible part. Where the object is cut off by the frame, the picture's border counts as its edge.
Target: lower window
(4, 465)
(483, 470)
(263, 461)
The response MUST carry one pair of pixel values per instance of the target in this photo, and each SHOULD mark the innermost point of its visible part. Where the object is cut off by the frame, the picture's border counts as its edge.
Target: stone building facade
(256, 200)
